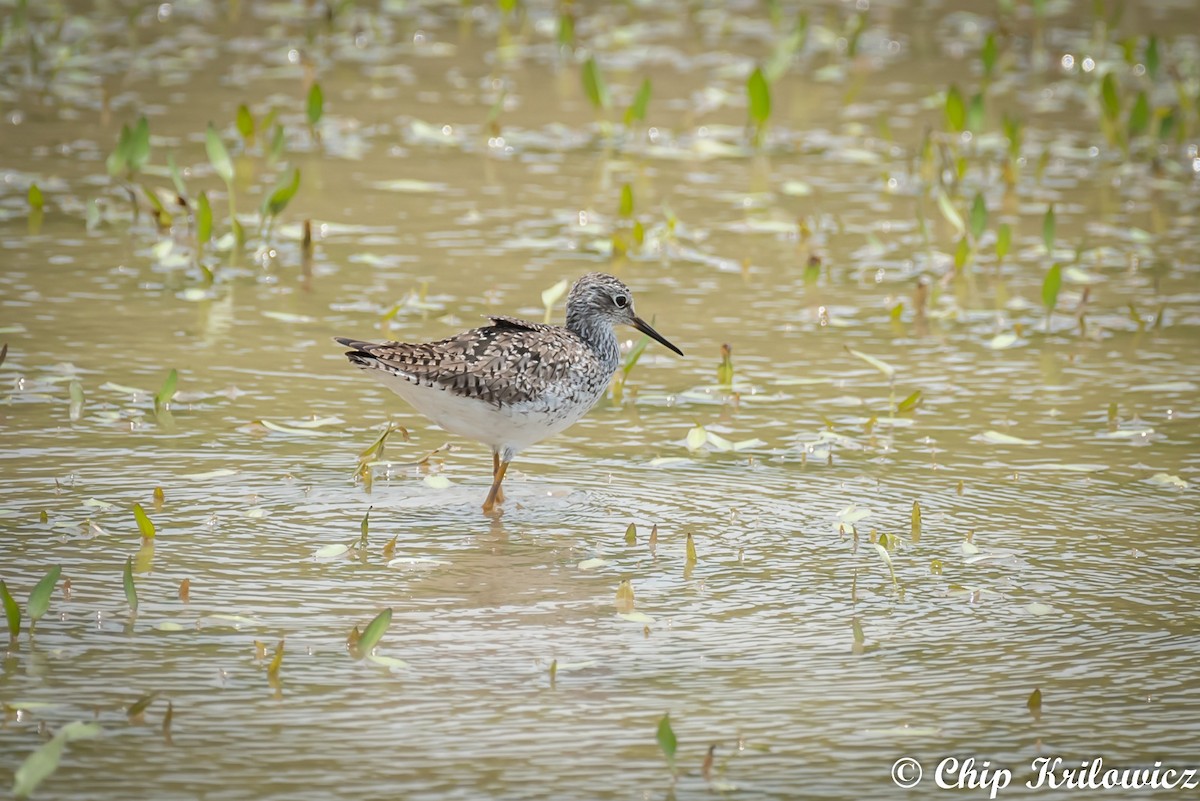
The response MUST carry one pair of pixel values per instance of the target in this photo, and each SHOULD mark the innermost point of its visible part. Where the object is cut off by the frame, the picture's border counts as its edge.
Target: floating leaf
(374, 631)
(594, 86)
(666, 740)
(12, 612)
(130, 589)
(218, 156)
(145, 525)
(590, 564)
(696, 438)
(36, 201)
(631, 534)
(997, 438)
(329, 552)
(637, 110)
(1051, 286)
(39, 598)
(315, 105)
(636, 617)
(75, 410)
(878, 364)
(389, 662)
(1004, 340)
(691, 549)
(1160, 479)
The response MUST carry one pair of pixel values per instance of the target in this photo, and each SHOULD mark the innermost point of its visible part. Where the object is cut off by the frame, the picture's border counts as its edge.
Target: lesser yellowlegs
(512, 383)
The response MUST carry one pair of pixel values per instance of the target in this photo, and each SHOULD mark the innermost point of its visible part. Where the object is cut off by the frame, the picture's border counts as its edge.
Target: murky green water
(1054, 463)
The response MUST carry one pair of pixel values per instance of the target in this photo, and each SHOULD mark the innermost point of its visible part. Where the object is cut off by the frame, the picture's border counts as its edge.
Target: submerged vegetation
(940, 268)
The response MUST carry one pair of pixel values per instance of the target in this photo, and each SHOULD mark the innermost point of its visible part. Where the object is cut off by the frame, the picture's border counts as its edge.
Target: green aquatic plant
(278, 199)
(566, 29)
(1003, 241)
(222, 165)
(35, 198)
(245, 125)
(204, 222)
(667, 743)
(594, 86)
(1049, 227)
(314, 108)
(989, 54)
(758, 95)
(43, 761)
(725, 368)
(955, 110)
(1051, 285)
(166, 392)
(637, 109)
(364, 529)
(372, 634)
(131, 152)
(12, 612)
(39, 597)
(131, 596)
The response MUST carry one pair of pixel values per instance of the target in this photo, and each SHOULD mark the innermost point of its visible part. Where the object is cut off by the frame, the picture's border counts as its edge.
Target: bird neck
(597, 335)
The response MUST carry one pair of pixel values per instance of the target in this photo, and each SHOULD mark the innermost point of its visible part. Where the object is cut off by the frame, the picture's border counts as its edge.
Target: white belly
(509, 428)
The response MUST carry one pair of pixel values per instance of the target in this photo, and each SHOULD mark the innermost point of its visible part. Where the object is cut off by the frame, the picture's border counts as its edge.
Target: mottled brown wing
(512, 361)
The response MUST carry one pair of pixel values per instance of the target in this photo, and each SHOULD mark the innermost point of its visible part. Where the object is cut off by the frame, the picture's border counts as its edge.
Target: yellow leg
(494, 495)
(495, 469)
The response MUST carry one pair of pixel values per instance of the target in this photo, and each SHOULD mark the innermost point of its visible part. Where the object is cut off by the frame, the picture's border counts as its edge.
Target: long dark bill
(645, 328)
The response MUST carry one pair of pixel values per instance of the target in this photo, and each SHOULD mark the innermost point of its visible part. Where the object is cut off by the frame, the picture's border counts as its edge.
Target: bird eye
(621, 301)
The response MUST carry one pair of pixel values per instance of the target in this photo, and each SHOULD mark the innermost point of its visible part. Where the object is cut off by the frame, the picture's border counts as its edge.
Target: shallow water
(1062, 560)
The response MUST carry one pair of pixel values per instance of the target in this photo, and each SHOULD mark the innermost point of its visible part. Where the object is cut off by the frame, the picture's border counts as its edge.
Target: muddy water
(1054, 461)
